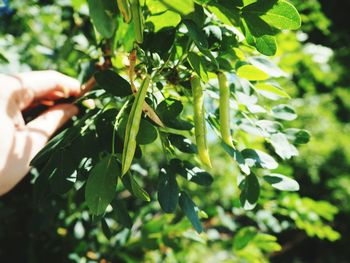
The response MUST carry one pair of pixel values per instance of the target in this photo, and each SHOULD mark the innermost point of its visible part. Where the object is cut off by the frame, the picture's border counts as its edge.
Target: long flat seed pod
(124, 8)
(224, 109)
(199, 120)
(137, 19)
(133, 125)
(146, 108)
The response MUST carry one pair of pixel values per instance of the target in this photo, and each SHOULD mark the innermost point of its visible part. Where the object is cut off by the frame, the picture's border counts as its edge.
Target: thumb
(44, 126)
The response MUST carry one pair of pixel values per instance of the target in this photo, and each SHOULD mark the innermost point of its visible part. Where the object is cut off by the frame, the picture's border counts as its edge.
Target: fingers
(45, 85)
(44, 126)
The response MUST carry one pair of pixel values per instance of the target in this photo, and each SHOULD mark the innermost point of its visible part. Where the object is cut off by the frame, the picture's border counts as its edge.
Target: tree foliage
(82, 178)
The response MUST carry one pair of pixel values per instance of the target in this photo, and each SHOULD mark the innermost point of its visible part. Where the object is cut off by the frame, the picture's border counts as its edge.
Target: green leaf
(253, 26)
(269, 127)
(277, 13)
(44, 155)
(269, 91)
(166, 19)
(251, 72)
(64, 175)
(121, 213)
(147, 133)
(169, 108)
(259, 159)
(237, 156)
(183, 7)
(268, 66)
(196, 34)
(168, 191)
(113, 83)
(200, 39)
(103, 21)
(101, 184)
(191, 172)
(197, 63)
(297, 136)
(266, 45)
(182, 143)
(189, 208)
(284, 112)
(282, 182)
(243, 237)
(282, 146)
(105, 229)
(134, 188)
(250, 191)
(226, 13)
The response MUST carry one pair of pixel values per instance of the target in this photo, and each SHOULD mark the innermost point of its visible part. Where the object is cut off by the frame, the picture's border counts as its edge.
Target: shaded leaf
(101, 185)
(102, 20)
(188, 207)
(134, 188)
(250, 191)
(182, 143)
(243, 237)
(113, 83)
(237, 156)
(198, 65)
(191, 172)
(297, 136)
(121, 213)
(105, 229)
(168, 191)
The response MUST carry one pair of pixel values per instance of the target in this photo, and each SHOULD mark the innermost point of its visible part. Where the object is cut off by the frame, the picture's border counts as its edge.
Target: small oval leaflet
(259, 159)
(284, 112)
(251, 72)
(282, 182)
(250, 191)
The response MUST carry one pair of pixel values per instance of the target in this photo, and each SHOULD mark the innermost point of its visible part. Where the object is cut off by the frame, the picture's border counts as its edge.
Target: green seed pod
(199, 120)
(138, 20)
(133, 125)
(224, 109)
(124, 8)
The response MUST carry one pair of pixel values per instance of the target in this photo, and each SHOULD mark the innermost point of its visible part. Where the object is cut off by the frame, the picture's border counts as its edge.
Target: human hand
(20, 142)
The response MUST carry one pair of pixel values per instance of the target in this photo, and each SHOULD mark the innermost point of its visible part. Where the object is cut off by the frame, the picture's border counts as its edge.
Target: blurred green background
(310, 226)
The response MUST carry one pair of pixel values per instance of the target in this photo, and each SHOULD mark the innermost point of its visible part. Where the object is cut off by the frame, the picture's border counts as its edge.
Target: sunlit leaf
(251, 72)
(282, 182)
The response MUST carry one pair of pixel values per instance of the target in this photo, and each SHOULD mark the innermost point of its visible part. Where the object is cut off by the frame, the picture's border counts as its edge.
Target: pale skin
(20, 142)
